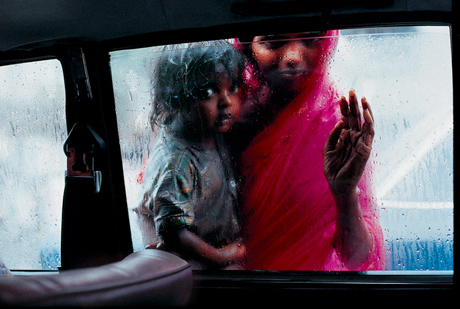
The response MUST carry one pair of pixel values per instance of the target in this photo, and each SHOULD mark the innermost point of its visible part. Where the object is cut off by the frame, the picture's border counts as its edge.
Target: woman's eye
(274, 44)
(311, 41)
(314, 38)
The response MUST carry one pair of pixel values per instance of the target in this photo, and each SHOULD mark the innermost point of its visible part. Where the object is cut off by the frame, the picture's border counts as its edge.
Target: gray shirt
(190, 186)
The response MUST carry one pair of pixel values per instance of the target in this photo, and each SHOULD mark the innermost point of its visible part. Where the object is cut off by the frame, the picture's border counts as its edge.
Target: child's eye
(235, 88)
(209, 92)
(206, 93)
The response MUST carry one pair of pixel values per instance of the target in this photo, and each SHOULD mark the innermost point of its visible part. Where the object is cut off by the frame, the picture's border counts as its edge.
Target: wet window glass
(32, 130)
(302, 137)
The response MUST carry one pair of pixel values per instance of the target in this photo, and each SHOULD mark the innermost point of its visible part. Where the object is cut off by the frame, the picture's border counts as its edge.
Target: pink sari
(288, 209)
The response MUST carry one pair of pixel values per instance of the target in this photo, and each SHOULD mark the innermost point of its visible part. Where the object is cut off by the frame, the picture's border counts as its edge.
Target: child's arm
(191, 246)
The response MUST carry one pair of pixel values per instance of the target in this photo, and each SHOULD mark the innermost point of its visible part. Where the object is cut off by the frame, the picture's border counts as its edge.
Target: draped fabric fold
(288, 210)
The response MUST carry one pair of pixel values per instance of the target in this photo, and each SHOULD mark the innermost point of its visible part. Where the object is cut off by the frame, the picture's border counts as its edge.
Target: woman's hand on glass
(348, 146)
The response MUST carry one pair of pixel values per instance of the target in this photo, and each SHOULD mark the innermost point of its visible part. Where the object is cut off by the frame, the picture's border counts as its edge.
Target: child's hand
(348, 146)
(156, 245)
(233, 253)
(192, 248)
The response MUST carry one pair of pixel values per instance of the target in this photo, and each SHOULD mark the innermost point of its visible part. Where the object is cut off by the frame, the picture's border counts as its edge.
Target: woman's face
(288, 60)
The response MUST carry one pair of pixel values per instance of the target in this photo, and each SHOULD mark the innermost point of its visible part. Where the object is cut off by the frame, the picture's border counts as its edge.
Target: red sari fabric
(288, 210)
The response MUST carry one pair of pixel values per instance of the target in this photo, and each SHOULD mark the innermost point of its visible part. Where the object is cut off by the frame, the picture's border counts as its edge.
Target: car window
(404, 73)
(414, 138)
(32, 130)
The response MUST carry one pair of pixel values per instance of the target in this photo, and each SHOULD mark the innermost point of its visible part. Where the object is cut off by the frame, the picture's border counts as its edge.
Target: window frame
(264, 287)
(253, 287)
(248, 285)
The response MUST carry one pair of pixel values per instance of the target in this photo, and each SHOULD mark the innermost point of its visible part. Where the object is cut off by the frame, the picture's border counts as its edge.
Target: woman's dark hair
(181, 71)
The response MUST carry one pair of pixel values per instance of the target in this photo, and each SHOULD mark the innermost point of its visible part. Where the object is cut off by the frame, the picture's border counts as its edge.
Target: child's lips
(224, 119)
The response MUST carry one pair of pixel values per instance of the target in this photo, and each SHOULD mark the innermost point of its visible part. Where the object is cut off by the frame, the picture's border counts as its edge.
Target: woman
(304, 210)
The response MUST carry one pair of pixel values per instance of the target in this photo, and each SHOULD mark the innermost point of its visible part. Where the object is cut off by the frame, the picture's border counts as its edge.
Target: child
(191, 190)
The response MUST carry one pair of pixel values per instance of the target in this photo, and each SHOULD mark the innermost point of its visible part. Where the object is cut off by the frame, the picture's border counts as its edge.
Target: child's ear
(175, 103)
(186, 112)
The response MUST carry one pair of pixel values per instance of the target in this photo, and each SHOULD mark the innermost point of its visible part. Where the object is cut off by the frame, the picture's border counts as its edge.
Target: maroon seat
(147, 277)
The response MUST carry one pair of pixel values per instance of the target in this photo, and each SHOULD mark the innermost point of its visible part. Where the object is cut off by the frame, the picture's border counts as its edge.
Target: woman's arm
(353, 241)
(346, 153)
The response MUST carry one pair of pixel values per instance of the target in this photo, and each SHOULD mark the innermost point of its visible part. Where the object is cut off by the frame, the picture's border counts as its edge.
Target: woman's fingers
(345, 111)
(368, 126)
(355, 114)
(334, 136)
(351, 114)
(351, 117)
(367, 106)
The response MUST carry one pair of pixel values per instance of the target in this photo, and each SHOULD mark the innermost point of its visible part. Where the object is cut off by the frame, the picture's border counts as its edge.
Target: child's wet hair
(181, 71)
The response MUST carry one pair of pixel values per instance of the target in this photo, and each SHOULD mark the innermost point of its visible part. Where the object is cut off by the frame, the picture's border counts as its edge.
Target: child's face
(219, 102)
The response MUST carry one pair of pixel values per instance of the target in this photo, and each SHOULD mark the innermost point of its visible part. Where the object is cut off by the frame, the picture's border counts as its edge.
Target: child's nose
(225, 99)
